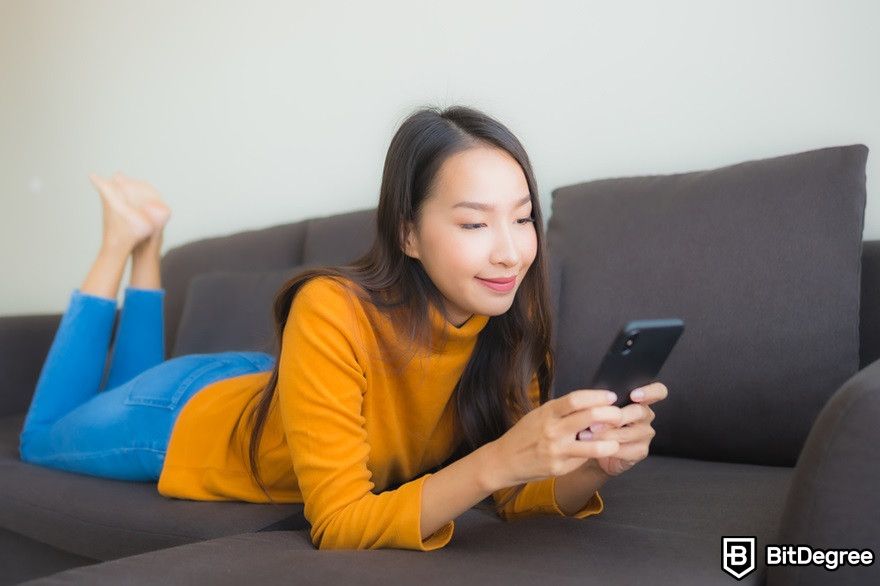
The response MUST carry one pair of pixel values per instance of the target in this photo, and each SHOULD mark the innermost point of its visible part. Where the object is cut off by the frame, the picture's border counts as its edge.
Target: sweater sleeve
(320, 391)
(538, 497)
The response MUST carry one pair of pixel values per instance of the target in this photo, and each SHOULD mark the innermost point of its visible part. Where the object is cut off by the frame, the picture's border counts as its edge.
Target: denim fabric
(120, 432)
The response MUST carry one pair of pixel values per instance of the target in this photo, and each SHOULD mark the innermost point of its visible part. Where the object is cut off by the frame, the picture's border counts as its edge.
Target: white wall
(249, 114)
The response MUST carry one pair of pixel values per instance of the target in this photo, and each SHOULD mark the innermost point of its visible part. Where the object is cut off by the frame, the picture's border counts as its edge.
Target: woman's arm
(456, 488)
(575, 489)
(452, 490)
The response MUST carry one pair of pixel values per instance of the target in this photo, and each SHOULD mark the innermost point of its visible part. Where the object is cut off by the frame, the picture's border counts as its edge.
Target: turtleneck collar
(465, 333)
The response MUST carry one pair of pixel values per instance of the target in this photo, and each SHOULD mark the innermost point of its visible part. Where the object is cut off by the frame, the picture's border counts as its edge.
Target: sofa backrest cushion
(339, 239)
(334, 239)
(227, 310)
(762, 262)
(232, 309)
(272, 248)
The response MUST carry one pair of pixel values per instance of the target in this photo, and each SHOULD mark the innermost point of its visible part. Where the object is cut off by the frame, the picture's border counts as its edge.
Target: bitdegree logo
(804, 555)
(738, 556)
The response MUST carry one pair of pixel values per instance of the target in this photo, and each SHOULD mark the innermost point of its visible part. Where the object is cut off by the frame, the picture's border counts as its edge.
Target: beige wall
(248, 114)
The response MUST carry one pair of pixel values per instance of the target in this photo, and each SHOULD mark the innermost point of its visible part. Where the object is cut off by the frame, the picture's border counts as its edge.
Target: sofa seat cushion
(106, 519)
(698, 498)
(662, 524)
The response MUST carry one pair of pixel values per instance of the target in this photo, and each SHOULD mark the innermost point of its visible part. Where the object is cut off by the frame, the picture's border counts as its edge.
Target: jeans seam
(172, 403)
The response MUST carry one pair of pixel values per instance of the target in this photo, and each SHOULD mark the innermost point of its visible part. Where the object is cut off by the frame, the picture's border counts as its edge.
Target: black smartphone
(636, 356)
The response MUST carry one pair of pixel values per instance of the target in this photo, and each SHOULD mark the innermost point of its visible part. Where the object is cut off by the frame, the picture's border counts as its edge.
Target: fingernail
(597, 427)
(612, 396)
(584, 435)
(638, 394)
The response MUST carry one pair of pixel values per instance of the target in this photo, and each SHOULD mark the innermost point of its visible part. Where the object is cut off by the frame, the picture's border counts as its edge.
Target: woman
(409, 385)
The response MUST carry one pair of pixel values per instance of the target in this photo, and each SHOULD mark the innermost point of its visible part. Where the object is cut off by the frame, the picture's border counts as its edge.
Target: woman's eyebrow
(488, 208)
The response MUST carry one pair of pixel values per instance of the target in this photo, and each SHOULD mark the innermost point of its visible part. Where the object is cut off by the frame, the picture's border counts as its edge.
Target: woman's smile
(500, 286)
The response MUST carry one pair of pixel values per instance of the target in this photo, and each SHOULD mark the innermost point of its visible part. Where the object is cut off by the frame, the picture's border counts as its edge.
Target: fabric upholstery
(760, 259)
(663, 520)
(834, 498)
(24, 345)
(105, 519)
(869, 307)
(231, 311)
(275, 247)
(772, 329)
(339, 239)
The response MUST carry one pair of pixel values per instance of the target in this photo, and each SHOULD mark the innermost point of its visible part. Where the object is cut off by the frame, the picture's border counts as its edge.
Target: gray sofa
(768, 431)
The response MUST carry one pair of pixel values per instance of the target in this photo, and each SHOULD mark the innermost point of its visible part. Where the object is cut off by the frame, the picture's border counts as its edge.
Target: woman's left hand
(634, 434)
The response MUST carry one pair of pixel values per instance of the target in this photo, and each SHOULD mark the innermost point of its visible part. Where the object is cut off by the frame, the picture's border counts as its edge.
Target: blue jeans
(118, 428)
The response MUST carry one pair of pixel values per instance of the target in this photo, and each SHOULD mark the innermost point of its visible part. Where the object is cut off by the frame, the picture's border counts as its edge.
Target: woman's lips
(501, 286)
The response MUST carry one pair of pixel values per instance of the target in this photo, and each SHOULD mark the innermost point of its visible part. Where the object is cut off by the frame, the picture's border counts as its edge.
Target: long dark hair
(491, 394)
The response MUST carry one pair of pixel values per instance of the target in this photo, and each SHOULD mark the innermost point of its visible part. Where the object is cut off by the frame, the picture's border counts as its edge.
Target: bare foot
(124, 225)
(145, 198)
(159, 214)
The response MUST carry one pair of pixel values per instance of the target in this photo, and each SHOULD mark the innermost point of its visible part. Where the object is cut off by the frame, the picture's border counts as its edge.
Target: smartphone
(636, 356)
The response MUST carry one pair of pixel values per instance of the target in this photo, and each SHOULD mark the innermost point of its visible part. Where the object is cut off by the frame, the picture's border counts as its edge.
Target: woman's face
(459, 242)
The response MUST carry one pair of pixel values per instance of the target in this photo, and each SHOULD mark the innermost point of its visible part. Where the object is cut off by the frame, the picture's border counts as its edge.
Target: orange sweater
(344, 426)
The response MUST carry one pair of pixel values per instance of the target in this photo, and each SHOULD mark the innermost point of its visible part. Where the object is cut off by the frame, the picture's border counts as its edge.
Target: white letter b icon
(738, 556)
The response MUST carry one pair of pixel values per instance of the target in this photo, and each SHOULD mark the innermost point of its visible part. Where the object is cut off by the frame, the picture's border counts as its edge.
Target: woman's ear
(409, 241)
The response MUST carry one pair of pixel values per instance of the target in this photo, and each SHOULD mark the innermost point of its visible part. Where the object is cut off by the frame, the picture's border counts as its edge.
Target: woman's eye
(521, 221)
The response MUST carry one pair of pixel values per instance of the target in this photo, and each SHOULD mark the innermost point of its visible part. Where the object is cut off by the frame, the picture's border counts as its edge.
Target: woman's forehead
(487, 177)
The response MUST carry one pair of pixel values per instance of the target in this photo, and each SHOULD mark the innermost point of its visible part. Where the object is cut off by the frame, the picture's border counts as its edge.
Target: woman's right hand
(544, 442)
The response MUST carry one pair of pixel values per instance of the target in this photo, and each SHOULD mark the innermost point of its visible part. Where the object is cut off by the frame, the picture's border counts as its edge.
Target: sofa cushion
(263, 249)
(340, 238)
(869, 304)
(663, 520)
(106, 519)
(833, 498)
(762, 262)
(227, 310)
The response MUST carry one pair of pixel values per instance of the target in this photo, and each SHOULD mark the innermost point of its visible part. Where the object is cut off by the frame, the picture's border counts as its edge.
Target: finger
(634, 433)
(592, 449)
(651, 393)
(610, 415)
(580, 400)
(636, 412)
(635, 451)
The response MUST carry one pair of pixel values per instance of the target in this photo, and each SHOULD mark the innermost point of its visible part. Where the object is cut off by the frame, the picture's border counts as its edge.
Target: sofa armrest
(835, 489)
(869, 306)
(24, 344)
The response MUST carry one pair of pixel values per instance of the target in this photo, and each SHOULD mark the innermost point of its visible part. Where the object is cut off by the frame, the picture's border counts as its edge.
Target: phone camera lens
(629, 342)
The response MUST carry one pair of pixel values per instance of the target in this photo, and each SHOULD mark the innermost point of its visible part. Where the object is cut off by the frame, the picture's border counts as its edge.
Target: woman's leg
(123, 432)
(140, 336)
(74, 366)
